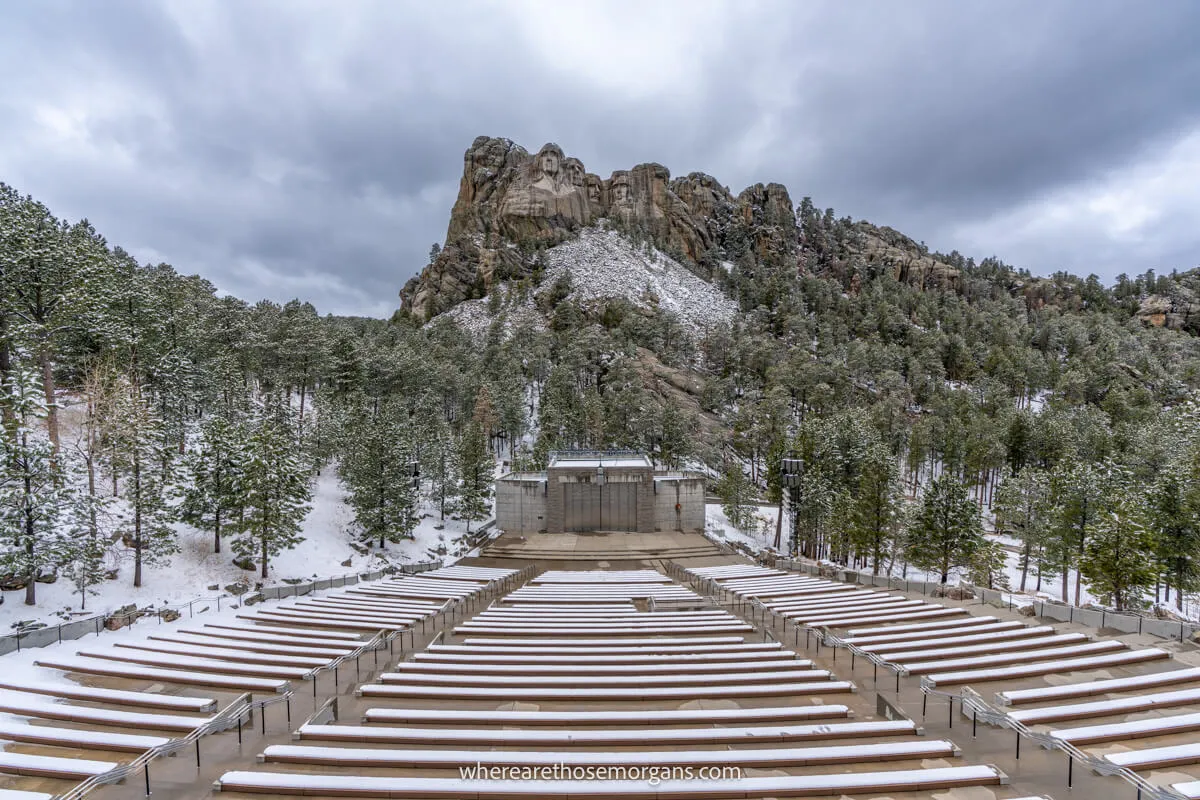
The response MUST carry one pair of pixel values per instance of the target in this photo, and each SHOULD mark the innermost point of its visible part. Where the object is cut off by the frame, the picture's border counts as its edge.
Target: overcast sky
(313, 149)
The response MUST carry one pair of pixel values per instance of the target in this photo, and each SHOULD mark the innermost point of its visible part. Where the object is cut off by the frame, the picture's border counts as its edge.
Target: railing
(970, 700)
(77, 629)
(228, 717)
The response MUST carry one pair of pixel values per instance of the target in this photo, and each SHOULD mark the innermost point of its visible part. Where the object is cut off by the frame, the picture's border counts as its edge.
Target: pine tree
(275, 490)
(875, 514)
(1118, 558)
(142, 456)
(378, 469)
(475, 468)
(1022, 510)
(85, 543)
(947, 532)
(1079, 490)
(31, 494)
(737, 496)
(216, 472)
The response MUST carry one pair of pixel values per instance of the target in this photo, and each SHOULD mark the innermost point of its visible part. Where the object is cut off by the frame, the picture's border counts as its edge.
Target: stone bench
(670, 666)
(1046, 667)
(1137, 729)
(168, 661)
(51, 766)
(643, 680)
(1001, 659)
(116, 669)
(227, 654)
(568, 693)
(922, 780)
(1103, 686)
(772, 757)
(37, 709)
(678, 716)
(118, 697)
(82, 739)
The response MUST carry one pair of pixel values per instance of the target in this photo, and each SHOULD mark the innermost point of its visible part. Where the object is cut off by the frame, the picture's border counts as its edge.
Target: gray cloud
(313, 149)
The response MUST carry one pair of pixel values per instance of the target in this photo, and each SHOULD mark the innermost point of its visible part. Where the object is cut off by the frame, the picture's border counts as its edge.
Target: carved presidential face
(575, 171)
(621, 192)
(593, 189)
(549, 163)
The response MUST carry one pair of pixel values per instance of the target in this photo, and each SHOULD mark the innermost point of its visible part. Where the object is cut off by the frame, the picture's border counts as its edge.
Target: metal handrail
(223, 720)
(968, 698)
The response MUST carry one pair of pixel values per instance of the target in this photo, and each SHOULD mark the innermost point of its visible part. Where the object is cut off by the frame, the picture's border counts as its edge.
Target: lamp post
(791, 473)
(600, 484)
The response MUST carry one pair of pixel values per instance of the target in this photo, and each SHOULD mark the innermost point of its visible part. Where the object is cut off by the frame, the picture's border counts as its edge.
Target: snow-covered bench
(117, 669)
(669, 666)
(342, 624)
(197, 639)
(591, 616)
(773, 757)
(52, 766)
(1030, 643)
(590, 630)
(28, 707)
(82, 739)
(128, 655)
(847, 620)
(305, 635)
(850, 599)
(922, 667)
(1046, 667)
(1104, 686)
(774, 786)
(1008, 633)
(857, 634)
(826, 612)
(17, 794)
(629, 658)
(625, 648)
(650, 643)
(1137, 729)
(1107, 708)
(1157, 757)
(226, 654)
(657, 620)
(643, 717)
(569, 693)
(339, 606)
(304, 614)
(533, 678)
(119, 697)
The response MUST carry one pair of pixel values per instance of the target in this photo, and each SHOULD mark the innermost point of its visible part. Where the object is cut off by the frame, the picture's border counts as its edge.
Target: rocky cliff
(511, 204)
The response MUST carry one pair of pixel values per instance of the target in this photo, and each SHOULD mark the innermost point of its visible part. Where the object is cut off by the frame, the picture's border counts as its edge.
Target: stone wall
(688, 493)
(521, 505)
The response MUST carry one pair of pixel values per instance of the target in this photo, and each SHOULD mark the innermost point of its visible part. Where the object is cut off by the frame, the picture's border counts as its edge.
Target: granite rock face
(512, 203)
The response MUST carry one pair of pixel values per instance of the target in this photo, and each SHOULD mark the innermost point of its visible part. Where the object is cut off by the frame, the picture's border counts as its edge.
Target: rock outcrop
(511, 204)
(1180, 313)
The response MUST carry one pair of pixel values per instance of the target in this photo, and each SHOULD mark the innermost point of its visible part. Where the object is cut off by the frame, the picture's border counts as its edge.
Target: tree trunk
(217, 529)
(51, 407)
(1025, 556)
(264, 555)
(137, 522)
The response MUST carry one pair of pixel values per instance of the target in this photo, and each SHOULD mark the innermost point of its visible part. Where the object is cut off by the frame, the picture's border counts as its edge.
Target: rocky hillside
(512, 204)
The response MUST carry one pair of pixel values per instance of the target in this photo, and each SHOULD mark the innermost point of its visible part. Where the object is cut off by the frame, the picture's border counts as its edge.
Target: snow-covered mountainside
(601, 264)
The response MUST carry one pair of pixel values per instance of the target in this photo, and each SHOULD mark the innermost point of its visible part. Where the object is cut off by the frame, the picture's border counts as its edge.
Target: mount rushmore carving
(511, 202)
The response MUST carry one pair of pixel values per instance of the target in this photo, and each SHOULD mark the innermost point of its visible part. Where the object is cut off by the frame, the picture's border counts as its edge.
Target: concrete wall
(689, 494)
(558, 477)
(521, 505)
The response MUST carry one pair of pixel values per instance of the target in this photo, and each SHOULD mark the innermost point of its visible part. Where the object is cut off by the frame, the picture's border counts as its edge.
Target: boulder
(253, 599)
(238, 589)
(348, 562)
(1027, 611)
(11, 583)
(122, 617)
(245, 563)
(47, 577)
(169, 614)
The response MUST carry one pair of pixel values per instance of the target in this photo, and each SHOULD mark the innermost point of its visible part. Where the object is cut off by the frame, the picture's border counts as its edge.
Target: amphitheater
(596, 673)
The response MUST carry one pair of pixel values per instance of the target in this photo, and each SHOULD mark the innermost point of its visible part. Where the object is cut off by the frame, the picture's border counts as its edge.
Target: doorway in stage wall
(599, 507)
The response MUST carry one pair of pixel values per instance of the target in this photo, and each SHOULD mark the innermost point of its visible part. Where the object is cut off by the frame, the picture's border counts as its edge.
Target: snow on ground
(760, 537)
(603, 264)
(326, 545)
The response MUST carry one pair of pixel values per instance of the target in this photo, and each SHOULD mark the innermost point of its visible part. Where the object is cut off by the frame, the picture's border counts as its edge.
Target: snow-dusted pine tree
(31, 492)
(378, 468)
(143, 458)
(475, 467)
(275, 488)
(947, 531)
(216, 469)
